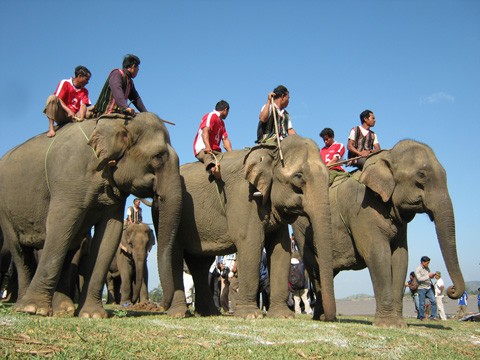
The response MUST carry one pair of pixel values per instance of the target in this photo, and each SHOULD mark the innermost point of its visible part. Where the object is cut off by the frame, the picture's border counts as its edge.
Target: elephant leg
(23, 258)
(144, 289)
(62, 301)
(248, 268)
(104, 245)
(278, 251)
(199, 268)
(379, 264)
(110, 289)
(399, 273)
(170, 271)
(126, 268)
(61, 230)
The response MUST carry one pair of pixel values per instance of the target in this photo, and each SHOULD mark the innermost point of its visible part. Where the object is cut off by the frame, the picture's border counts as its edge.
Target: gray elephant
(223, 217)
(55, 189)
(8, 273)
(130, 265)
(370, 217)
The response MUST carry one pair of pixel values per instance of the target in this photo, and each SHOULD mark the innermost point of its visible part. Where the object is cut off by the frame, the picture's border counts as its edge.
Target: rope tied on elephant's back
(217, 164)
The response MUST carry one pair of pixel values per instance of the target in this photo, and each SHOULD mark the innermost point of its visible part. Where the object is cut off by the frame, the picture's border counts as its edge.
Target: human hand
(271, 95)
(129, 111)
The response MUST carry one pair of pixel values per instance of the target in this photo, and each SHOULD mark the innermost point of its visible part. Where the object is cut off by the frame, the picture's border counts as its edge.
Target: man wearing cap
(439, 287)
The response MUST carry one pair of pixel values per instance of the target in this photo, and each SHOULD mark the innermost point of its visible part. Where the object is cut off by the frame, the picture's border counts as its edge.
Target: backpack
(296, 277)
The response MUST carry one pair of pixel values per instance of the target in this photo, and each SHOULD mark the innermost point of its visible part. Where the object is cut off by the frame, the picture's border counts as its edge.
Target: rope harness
(222, 203)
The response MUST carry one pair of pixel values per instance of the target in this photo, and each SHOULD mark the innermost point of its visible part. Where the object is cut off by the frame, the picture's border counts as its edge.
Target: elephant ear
(151, 240)
(258, 168)
(110, 140)
(377, 175)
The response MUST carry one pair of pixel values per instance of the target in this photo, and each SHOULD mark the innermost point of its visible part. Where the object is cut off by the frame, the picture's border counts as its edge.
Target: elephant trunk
(166, 212)
(445, 228)
(319, 214)
(139, 260)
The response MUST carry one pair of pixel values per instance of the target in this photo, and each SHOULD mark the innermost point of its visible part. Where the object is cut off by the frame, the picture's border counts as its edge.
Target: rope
(222, 205)
(276, 130)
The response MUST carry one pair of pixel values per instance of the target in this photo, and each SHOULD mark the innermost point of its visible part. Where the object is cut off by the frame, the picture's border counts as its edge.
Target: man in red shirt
(332, 153)
(70, 100)
(209, 135)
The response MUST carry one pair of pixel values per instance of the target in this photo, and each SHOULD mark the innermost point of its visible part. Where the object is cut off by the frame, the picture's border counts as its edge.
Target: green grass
(150, 336)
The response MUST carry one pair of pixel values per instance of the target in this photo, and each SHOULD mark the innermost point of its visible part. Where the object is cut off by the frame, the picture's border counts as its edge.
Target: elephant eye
(298, 182)
(421, 178)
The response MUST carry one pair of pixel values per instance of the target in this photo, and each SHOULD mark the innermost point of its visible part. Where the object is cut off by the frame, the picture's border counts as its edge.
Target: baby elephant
(130, 264)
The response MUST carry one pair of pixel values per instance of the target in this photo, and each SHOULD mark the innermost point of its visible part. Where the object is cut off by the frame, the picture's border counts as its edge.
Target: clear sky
(414, 63)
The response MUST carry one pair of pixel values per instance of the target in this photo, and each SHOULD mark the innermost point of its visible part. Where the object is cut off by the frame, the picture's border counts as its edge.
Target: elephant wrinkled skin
(370, 217)
(223, 217)
(55, 189)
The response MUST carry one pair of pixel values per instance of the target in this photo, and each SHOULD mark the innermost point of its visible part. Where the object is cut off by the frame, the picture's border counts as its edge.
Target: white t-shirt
(439, 285)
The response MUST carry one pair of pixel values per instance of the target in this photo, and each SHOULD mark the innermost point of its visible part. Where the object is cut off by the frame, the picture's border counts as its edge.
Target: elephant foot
(248, 312)
(390, 322)
(92, 311)
(280, 312)
(209, 311)
(179, 312)
(42, 308)
(62, 305)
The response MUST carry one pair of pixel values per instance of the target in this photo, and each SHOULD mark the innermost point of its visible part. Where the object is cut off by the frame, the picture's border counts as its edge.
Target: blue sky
(414, 63)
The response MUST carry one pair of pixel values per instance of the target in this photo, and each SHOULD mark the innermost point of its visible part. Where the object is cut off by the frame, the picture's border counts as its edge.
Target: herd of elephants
(54, 190)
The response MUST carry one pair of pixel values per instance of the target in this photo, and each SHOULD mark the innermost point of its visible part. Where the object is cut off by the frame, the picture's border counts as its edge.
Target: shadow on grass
(354, 321)
(429, 325)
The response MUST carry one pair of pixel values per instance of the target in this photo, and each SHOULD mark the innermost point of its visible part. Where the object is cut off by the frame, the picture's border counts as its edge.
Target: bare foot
(51, 133)
(216, 172)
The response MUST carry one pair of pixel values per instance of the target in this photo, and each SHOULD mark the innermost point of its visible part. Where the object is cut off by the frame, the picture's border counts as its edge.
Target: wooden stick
(168, 122)
(345, 161)
(276, 131)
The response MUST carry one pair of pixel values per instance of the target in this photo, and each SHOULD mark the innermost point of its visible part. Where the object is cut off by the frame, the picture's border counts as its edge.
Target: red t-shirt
(216, 134)
(71, 96)
(336, 150)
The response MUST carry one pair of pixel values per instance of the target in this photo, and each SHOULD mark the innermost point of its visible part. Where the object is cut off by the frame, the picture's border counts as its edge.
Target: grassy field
(139, 335)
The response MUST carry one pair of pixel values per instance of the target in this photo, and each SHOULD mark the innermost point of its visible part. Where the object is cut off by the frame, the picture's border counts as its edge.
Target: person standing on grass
(439, 287)
(413, 287)
(462, 306)
(425, 288)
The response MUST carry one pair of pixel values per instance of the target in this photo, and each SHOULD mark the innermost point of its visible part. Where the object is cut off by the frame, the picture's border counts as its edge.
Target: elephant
(8, 273)
(54, 190)
(130, 265)
(370, 217)
(224, 216)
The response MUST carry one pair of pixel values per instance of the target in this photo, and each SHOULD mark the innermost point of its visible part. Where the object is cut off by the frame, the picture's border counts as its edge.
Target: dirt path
(367, 307)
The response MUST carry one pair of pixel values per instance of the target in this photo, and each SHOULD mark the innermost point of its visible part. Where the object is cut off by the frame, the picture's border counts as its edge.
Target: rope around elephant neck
(57, 135)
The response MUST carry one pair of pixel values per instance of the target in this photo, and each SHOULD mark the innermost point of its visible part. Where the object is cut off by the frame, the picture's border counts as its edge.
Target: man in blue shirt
(462, 306)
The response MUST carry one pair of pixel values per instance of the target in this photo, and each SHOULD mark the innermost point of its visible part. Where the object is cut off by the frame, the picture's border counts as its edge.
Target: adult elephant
(223, 217)
(370, 217)
(55, 189)
(130, 265)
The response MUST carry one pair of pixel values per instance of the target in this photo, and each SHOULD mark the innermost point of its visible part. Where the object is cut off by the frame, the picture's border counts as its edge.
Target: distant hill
(472, 286)
(358, 297)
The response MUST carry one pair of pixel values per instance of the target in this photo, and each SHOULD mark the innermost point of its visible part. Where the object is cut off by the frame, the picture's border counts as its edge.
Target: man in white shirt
(439, 287)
